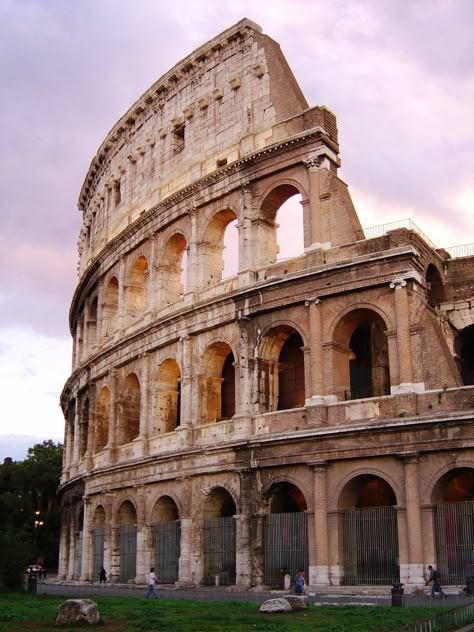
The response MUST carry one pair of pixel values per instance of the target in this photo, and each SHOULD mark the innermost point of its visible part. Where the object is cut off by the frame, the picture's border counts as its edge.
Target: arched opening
(285, 534)
(167, 539)
(228, 388)
(290, 234)
(84, 427)
(453, 496)
(98, 540)
(288, 229)
(170, 271)
(369, 532)
(291, 391)
(434, 286)
(211, 249)
(465, 349)
(167, 405)
(102, 419)
(110, 311)
(129, 410)
(78, 537)
(360, 356)
(281, 370)
(219, 538)
(137, 288)
(231, 250)
(127, 521)
(217, 384)
(92, 325)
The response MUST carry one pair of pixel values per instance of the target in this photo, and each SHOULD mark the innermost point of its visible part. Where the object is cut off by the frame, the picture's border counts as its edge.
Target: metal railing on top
(465, 250)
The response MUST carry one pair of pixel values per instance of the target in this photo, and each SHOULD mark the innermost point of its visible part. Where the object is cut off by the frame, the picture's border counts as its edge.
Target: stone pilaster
(413, 519)
(319, 573)
(185, 556)
(87, 557)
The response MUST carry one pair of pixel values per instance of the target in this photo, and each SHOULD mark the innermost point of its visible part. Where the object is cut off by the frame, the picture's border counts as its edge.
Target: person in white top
(152, 580)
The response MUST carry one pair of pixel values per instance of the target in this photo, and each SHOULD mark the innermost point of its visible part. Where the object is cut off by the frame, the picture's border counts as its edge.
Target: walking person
(299, 582)
(102, 576)
(152, 580)
(434, 578)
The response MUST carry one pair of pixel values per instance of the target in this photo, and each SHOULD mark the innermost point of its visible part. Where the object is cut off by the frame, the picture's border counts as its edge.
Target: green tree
(29, 514)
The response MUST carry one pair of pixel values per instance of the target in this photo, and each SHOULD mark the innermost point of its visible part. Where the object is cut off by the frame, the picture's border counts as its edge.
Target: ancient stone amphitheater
(313, 412)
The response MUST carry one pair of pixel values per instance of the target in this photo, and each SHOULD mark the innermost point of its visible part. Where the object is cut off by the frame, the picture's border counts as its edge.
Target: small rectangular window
(117, 193)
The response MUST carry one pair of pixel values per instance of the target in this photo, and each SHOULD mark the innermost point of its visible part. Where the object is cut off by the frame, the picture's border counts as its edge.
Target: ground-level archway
(98, 541)
(166, 539)
(219, 538)
(285, 534)
(127, 520)
(453, 496)
(369, 532)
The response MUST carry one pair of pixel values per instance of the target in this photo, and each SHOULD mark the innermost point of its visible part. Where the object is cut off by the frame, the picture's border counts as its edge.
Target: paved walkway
(69, 589)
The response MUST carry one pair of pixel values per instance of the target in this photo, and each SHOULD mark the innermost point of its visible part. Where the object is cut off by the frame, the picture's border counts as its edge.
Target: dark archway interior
(286, 498)
(291, 387)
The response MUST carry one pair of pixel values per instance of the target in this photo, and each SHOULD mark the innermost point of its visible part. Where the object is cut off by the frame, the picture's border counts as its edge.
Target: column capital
(318, 466)
(313, 300)
(398, 283)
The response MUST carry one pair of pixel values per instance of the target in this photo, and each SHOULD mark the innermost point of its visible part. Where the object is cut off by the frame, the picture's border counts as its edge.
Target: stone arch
(127, 533)
(271, 201)
(110, 309)
(219, 537)
(92, 323)
(360, 357)
(127, 512)
(129, 410)
(285, 537)
(99, 517)
(464, 349)
(368, 529)
(84, 426)
(137, 284)
(170, 272)
(217, 382)
(435, 293)
(373, 472)
(453, 499)
(219, 503)
(165, 509)
(167, 400)
(211, 248)
(281, 368)
(102, 419)
(166, 538)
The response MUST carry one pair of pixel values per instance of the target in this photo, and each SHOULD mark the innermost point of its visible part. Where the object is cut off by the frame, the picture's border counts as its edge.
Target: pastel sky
(399, 76)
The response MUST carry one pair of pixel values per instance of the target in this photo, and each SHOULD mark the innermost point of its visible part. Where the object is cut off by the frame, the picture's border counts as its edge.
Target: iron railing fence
(464, 250)
(167, 539)
(128, 552)
(98, 550)
(444, 621)
(370, 546)
(285, 547)
(454, 529)
(219, 551)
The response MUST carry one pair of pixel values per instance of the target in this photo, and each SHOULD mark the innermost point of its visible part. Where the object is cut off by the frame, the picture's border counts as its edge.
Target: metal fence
(219, 551)
(370, 546)
(98, 551)
(465, 250)
(167, 539)
(454, 528)
(128, 552)
(444, 621)
(285, 546)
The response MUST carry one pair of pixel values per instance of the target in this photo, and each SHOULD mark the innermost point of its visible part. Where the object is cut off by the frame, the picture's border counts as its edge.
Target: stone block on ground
(78, 611)
(297, 602)
(275, 605)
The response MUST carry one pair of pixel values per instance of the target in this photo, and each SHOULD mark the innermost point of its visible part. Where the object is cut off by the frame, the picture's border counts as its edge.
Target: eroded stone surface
(78, 611)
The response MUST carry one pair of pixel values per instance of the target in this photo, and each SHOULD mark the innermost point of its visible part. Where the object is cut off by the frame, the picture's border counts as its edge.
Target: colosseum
(312, 412)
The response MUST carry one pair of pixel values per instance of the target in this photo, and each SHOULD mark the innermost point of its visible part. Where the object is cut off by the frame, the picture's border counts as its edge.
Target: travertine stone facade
(234, 429)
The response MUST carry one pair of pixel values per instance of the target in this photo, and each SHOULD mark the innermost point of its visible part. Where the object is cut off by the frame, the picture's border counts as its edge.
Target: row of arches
(162, 273)
(367, 527)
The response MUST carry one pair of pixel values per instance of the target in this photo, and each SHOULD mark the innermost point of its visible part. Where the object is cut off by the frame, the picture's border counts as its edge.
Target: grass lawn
(20, 612)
